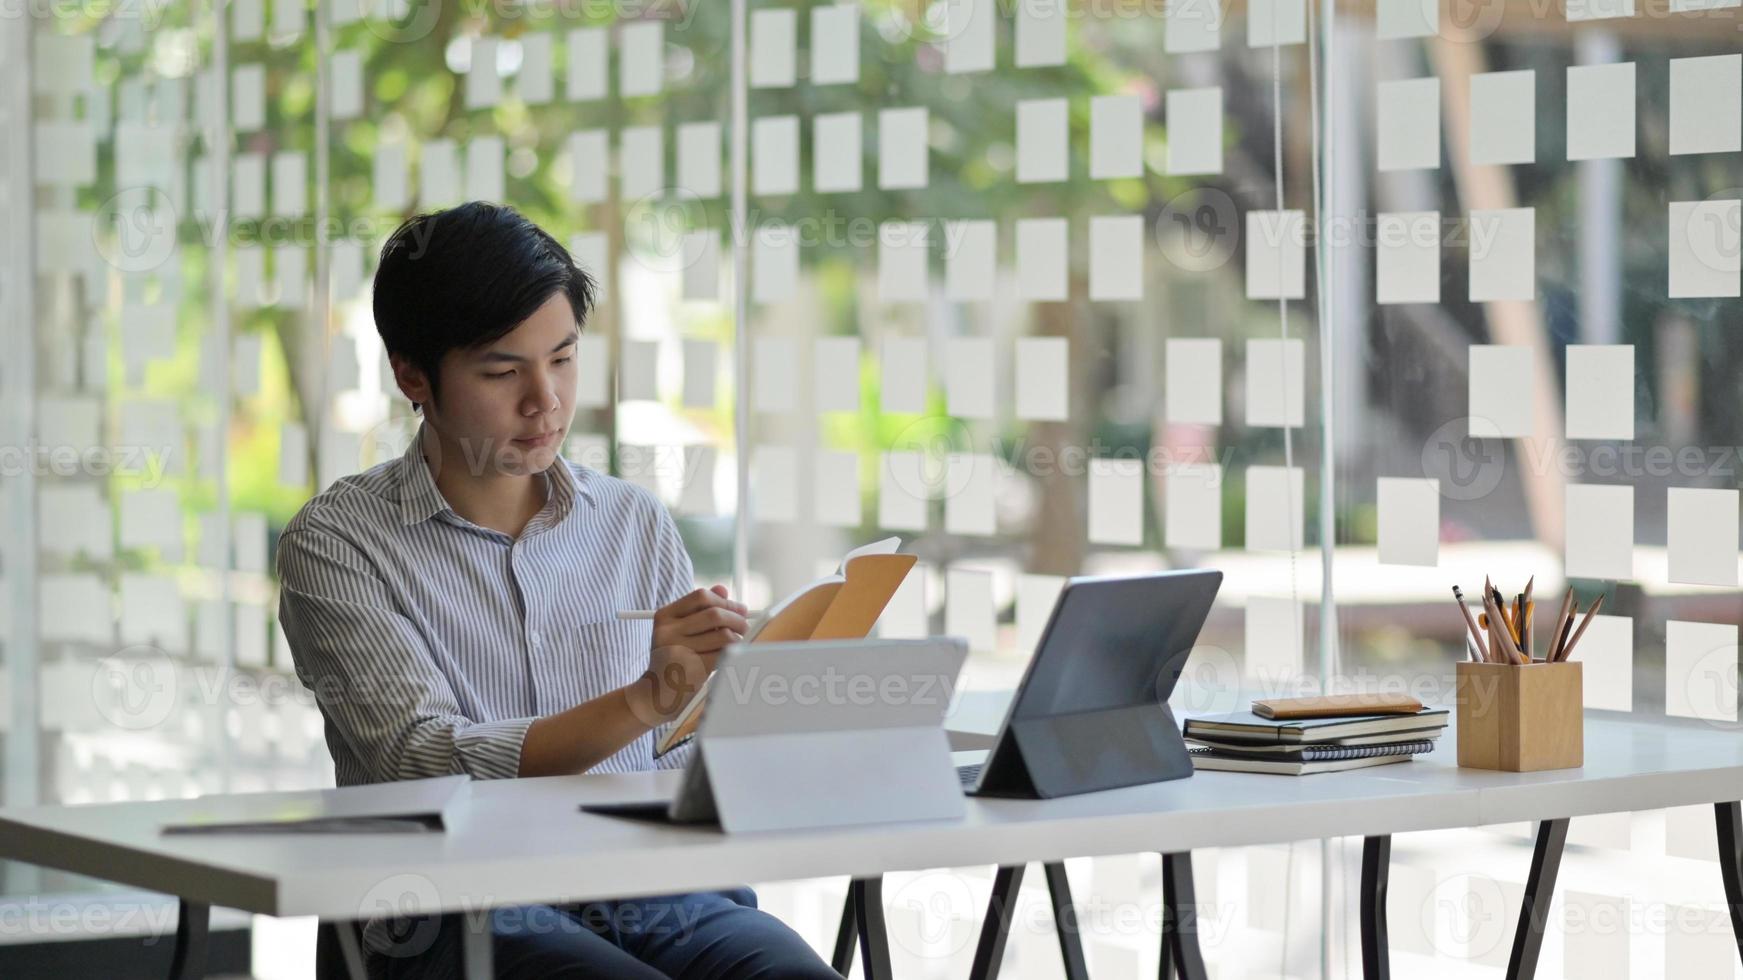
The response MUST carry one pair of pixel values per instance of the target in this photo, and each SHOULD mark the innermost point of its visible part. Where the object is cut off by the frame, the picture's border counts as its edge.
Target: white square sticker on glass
(1276, 22)
(774, 264)
(1274, 508)
(1700, 670)
(439, 173)
(1040, 33)
(1397, 19)
(1606, 652)
(1192, 506)
(1600, 111)
(1036, 597)
(1116, 501)
(1600, 531)
(968, 608)
(903, 149)
(1599, 9)
(903, 261)
(700, 368)
(773, 37)
(1504, 117)
(1043, 141)
(1276, 255)
(1043, 367)
(1042, 250)
(774, 374)
(1701, 535)
(585, 81)
(968, 494)
(483, 81)
(589, 165)
(485, 156)
(1191, 25)
(534, 83)
(1195, 130)
(968, 40)
(835, 44)
(1116, 257)
(835, 153)
(970, 259)
(775, 155)
(1116, 137)
(968, 377)
(1407, 124)
(641, 58)
(902, 491)
(1503, 254)
(1500, 383)
(835, 374)
(1409, 521)
(1706, 104)
(1407, 258)
(593, 368)
(1276, 383)
(1600, 391)
(699, 159)
(1703, 246)
(837, 500)
(903, 375)
(1193, 385)
(700, 253)
(774, 473)
(636, 381)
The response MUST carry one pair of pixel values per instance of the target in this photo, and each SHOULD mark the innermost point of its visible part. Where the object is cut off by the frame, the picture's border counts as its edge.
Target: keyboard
(970, 774)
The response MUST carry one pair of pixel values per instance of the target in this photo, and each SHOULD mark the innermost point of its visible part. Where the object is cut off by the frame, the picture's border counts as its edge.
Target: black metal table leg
(193, 935)
(1180, 950)
(1065, 921)
(846, 935)
(1376, 870)
(1729, 820)
(1539, 893)
(874, 941)
(989, 952)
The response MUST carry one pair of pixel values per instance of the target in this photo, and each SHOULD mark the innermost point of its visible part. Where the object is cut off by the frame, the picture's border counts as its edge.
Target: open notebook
(842, 606)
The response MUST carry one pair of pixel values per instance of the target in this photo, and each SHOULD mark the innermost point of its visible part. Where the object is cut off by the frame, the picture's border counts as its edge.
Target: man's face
(506, 407)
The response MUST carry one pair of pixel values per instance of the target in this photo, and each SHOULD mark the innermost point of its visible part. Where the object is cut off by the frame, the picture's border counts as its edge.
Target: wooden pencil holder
(1520, 718)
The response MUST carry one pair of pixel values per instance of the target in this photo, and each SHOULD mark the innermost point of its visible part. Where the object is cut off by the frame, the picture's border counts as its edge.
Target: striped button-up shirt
(432, 643)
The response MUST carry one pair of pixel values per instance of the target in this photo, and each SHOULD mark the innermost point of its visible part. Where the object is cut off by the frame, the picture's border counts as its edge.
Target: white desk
(525, 842)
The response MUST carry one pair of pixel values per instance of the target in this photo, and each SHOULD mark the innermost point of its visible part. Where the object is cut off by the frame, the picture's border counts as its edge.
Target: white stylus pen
(649, 614)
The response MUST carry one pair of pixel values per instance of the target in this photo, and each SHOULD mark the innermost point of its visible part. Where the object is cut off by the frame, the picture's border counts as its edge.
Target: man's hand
(704, 621)
(675, 673)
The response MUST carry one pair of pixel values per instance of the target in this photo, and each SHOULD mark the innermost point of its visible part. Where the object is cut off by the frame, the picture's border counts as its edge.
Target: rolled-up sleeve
(371, 673)
(675, 577)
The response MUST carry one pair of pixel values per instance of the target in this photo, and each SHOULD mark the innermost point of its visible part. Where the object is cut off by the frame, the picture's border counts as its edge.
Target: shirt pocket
(610, 653)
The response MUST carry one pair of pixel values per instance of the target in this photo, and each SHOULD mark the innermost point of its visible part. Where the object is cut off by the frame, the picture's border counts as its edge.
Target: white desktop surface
(524, 841)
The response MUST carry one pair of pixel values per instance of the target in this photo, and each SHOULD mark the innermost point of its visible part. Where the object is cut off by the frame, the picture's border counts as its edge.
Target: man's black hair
(465, 277)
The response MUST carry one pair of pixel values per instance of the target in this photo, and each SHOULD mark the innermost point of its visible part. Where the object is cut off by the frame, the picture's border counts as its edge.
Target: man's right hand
(705, 620)
(675, 674)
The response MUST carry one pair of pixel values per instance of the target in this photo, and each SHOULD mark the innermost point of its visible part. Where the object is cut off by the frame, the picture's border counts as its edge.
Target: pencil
(1568, 650)
(1498, 621)
(1527, 616)
(1562, 620)
(1465, 610)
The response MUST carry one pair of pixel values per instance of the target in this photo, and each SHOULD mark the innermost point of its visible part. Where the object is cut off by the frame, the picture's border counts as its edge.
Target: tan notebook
(842, 606)
(1337, 706)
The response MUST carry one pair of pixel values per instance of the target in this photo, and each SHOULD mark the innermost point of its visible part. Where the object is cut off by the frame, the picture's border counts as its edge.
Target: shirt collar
(419, 498)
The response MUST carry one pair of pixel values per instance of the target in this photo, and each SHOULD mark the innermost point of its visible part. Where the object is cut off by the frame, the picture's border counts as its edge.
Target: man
(454, 610)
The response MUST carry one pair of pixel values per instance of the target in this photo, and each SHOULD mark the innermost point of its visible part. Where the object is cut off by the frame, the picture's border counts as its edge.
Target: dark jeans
(707, 936)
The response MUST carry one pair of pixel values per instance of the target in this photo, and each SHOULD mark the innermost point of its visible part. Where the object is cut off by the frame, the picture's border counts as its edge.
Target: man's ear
(413, 383)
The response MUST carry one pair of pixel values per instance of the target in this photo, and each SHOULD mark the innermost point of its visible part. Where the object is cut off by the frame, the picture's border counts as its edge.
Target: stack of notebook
(1297, 744)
